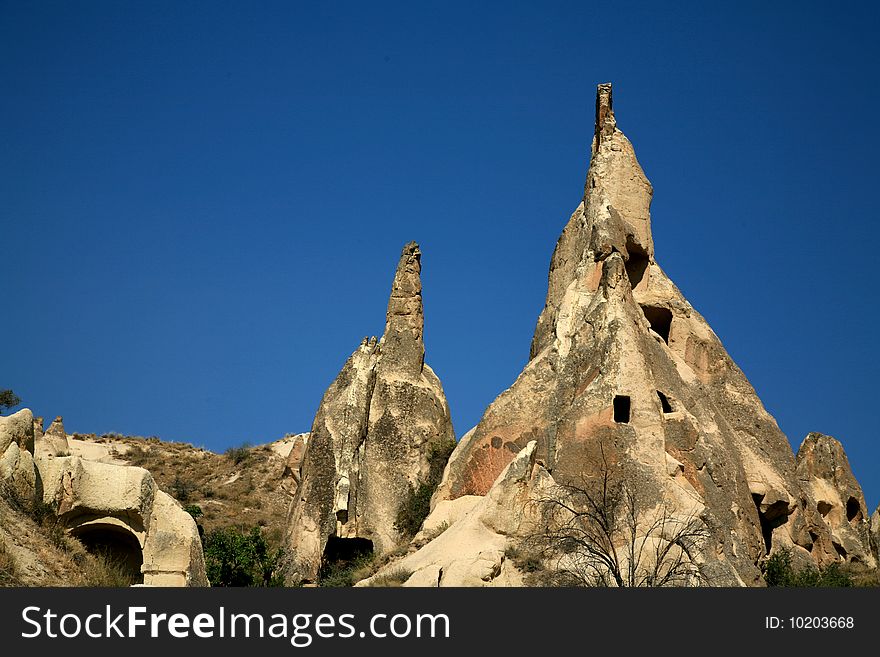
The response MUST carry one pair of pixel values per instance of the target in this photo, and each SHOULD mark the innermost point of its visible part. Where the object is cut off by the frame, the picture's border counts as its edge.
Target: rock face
(471, 552)
(622, 365)
(833, 503)
(374, 431)
(119, 508)
(54, 440)
(17, 472)
(293, 467)
(109, 507)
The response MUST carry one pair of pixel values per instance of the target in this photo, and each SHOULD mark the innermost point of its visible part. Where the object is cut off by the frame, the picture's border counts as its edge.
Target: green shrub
(235, 557)
(8, 400)
(194, 510)
(779, 571)
(240, 454)
(417, 504)
(182, 489)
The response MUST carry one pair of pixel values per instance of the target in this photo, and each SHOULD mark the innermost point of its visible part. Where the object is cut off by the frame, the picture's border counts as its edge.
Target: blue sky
(202, 203)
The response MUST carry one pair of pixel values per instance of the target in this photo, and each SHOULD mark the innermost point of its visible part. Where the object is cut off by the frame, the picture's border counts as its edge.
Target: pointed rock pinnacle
(404, 322)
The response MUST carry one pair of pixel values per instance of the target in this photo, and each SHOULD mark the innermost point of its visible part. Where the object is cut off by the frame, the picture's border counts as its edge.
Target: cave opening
(664, 403)
(117, 546)
(621, 409)
(636, 263)
(347, 549)
(660, 320)
(853, 510)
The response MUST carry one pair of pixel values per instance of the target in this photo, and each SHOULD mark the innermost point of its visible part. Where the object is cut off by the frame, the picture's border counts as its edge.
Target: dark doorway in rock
(664, 402)
(660, 320)
(636, 263)
(347, 549)
(115, 545)
(775, 515)
(853, 509)
(343, 559)
(621, 409)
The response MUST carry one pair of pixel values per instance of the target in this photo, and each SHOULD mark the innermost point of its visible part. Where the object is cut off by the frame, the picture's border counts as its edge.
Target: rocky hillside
(245, 486)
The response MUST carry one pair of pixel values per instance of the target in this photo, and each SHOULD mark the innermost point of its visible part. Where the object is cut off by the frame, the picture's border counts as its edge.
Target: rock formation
(833, 503)
(471, 552)
(623, 371)
(54, 440)
(17, 473)
(372, 438)
(119, 508)
(293, 465)
(108, 507)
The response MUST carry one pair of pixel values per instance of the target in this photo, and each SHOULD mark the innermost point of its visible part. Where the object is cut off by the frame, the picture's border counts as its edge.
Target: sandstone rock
(372, 436)
(292, 469)
(57, 428)
(471, 552)
(444, 515)
(621, 362)
(834, 508)
(121, 509)
(54, 441)
(875, 530)
(17, 471)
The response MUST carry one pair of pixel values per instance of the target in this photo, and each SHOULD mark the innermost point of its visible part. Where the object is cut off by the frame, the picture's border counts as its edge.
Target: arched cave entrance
(116, 544)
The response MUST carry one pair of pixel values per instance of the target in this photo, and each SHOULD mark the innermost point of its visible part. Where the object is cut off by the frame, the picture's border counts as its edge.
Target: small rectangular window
(621, 409)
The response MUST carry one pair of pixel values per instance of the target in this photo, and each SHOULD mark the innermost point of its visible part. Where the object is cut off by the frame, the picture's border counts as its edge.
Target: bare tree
(597, 533)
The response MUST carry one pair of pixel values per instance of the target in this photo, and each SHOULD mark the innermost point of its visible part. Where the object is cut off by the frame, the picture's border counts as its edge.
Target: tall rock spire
(624, 367)
(404, 322)
(373, 438)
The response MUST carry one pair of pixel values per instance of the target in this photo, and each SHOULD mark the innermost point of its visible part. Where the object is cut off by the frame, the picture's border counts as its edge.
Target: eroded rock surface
(17, 471)
(622, 364)
(834, 508)
(119, 508)
(372, 436)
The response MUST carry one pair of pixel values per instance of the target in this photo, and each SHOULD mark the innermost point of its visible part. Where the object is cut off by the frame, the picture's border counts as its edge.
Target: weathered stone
(875, 530)
(834, 508)
(621, 364)
(293, 466)
(471, 551)
(54, 441)
(17, 472)
(120, 508)
(372, 436)
(57, 428)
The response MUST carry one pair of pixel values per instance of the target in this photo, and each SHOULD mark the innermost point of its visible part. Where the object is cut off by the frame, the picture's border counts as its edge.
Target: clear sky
(202, 203)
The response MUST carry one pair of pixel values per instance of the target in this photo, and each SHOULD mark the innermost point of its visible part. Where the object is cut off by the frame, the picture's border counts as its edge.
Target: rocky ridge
(626, 377)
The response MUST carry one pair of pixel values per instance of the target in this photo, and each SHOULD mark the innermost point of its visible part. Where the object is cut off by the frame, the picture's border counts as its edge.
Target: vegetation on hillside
(779, 571)
(8, 399)
(238, 557)
(417, 504)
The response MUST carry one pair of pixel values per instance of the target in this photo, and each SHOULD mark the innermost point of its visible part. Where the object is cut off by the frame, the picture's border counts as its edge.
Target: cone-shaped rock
(621, 364)
(833, 502)
(372, 438)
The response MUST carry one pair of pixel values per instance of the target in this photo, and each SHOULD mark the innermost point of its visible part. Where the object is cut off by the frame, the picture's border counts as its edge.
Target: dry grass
(241, 485)
(8, 568)
(393, 578)
(101, 570)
